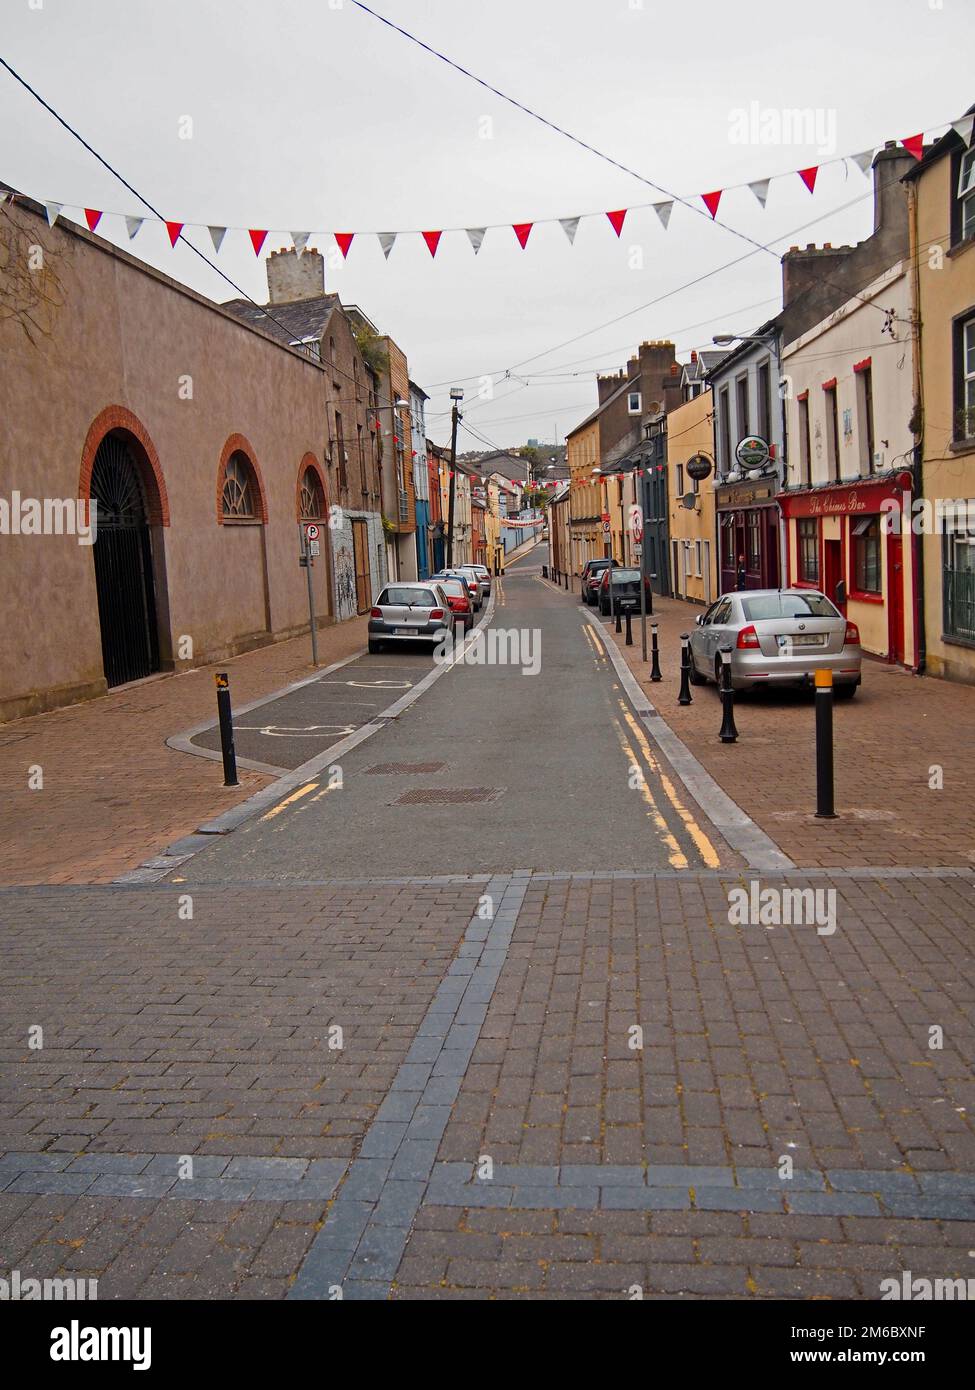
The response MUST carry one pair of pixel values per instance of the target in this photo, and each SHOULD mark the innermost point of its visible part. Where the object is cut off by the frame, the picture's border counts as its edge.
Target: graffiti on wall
(345, 594)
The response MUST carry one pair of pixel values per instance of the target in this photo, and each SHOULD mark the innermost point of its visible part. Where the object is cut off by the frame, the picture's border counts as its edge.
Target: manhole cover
(403, 769)
(447, 796)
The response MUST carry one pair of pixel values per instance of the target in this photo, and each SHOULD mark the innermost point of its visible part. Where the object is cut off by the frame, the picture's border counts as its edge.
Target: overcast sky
(310, 114)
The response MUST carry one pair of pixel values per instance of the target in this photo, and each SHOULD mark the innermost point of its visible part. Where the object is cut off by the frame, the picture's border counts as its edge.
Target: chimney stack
(292, 276)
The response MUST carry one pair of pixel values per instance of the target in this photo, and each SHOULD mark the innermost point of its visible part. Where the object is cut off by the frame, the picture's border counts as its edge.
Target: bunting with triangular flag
(964, 127)
(663, 211)
(300, 240)
(570, 226)
(522, 231)
(711, 201)
(432, 240)
(132, 226)
(258, 237)
(174, 229)
(863, 160)
(475, 236)
(616, 220)
(387, 240)
(52, 210)
(92, 217)
(760, 189)
(217, 235)
(343, 241)
(808, 176)
(914, 144)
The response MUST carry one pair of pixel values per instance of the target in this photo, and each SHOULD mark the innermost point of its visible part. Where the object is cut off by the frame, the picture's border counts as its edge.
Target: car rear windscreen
(626, 576)
(787, 606)
(416, 598)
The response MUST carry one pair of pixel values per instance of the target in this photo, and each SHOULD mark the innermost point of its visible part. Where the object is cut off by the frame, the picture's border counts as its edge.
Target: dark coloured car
(626, 592)
(592, 573)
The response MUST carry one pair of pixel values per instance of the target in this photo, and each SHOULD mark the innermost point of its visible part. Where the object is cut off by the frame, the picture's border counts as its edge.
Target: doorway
(124, 579)
(833, 572)
(895, 598)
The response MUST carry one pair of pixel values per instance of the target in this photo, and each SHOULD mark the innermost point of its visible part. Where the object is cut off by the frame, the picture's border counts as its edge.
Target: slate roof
(292, 323)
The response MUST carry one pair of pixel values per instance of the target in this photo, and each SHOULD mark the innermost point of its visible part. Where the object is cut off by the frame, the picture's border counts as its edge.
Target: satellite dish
(689, 500)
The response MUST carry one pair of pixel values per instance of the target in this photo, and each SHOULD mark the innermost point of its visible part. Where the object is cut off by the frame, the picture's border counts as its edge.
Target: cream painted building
(585, 506)
(941, 192)
(690, 434)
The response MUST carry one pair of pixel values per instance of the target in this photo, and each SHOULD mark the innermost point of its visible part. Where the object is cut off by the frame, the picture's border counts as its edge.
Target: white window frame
(632, 409)
(966, 194)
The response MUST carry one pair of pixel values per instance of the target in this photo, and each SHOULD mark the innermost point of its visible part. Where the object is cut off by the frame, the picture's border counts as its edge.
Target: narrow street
(513, 1046)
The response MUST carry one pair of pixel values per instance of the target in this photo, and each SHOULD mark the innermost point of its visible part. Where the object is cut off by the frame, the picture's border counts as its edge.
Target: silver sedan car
(777, 637)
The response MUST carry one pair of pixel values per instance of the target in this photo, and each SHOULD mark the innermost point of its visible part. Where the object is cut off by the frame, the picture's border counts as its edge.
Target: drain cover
(447, 796)
(403, 769)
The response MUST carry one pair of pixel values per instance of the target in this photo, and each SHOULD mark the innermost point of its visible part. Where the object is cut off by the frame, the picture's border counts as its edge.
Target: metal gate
(123, 566)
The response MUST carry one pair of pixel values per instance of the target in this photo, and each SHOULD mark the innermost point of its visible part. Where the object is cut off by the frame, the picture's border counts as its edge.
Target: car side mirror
(699, 620)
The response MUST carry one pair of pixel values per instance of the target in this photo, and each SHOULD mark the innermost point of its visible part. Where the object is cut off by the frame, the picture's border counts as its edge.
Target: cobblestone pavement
(488, 1127)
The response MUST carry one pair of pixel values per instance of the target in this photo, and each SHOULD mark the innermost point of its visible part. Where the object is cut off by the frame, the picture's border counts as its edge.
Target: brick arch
(117, 419)
(310, 461)
(237, 443)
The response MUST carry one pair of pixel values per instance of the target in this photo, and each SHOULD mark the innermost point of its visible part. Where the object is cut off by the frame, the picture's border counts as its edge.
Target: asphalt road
(514, 770)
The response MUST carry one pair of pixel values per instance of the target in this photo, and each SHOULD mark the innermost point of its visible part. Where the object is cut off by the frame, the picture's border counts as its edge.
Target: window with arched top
(312, 496)
(239, 496)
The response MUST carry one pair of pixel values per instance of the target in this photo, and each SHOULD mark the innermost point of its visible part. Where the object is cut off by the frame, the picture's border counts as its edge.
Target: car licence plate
(403, 631)
(804, 639)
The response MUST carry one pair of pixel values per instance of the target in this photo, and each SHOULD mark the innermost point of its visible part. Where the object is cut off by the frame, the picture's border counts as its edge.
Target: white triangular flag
(964, 127)
(300, 240)
(760, 189)
(387, 241)
(663, 211)
(53, 209)
(132, 225)
(217, 235)
(863, 161)
(476, 237)
(569, 225)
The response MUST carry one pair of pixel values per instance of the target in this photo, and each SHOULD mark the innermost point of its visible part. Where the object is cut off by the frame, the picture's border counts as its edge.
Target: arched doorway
(123, 564)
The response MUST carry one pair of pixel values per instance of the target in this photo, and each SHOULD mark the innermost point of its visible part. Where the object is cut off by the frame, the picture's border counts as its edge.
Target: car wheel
(845, 692)
(374, 647)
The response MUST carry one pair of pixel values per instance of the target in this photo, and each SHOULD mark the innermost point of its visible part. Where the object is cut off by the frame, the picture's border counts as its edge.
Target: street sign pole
(642, 492)
(303, 538)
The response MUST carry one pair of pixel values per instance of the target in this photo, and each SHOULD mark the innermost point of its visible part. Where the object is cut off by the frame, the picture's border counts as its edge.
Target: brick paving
(113, 793)
(887, 742)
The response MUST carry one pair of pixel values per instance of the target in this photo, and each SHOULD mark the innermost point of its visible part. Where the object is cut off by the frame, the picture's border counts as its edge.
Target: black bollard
(566, 578)
(684, 698)
(824, 745)
(545, 571)
(629, 632)
(226, 718)
(728, 734)
(619, 621)
(654, 654)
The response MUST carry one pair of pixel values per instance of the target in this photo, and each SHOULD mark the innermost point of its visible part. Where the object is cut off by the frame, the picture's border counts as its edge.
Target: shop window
(754, 534)
(728, 542)
(866, 555)
(807, 547)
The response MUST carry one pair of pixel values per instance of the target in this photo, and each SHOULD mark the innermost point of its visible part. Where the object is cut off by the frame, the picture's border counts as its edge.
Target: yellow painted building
(585, 506)
(941, 189)
(694, 564)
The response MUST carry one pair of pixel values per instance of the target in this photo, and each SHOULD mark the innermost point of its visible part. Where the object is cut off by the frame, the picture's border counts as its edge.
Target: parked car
(625, 597)
(592, 573)
(458, 597)
(777, 637)
(410, 612)
(484, 575)
(481, 578)
(466, 576)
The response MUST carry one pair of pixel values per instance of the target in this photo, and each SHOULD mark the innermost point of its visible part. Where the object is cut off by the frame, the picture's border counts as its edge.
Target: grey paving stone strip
(215, 1178)
(679, 1187)
(359, 1248)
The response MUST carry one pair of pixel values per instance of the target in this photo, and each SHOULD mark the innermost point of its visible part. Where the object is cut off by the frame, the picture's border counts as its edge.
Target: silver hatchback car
(408, 611)
(777, 637)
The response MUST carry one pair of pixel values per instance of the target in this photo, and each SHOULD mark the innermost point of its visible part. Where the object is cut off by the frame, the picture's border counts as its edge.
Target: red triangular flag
(914, 144)
(92, 217)
(344, 241)
(432, 240)
(808, 176)
(522, 231)
(617, 219)
(711, 201)
(174, 229)
(257, 239)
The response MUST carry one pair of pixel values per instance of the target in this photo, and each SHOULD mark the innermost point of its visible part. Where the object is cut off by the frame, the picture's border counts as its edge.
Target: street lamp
(456, 396)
